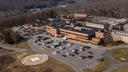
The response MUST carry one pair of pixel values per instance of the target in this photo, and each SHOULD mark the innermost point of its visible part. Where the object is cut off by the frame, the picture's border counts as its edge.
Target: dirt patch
(22, 45)
(3, 51)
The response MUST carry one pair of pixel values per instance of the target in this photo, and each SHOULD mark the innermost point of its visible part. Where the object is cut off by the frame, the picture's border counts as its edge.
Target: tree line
(109, 8)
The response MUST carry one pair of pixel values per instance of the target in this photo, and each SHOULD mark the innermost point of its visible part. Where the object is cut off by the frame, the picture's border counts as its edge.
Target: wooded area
(109, 8)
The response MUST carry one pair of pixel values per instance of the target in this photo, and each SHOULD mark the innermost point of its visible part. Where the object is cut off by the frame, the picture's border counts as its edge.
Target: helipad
(34, 59)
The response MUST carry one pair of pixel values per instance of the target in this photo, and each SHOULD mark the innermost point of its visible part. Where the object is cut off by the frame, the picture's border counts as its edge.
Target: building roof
(88, 31)
(59, 25)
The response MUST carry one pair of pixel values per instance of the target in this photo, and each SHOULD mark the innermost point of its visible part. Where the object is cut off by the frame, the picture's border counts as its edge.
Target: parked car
(90, 52)
(82, 57)
(64, 55)
(90, 56)
(87, 47)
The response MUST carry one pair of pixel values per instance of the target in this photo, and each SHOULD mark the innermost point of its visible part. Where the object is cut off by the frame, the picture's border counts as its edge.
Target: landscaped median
(99, 67)
(120, 54)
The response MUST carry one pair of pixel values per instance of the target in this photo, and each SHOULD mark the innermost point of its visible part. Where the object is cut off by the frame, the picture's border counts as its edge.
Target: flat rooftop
(84, 30)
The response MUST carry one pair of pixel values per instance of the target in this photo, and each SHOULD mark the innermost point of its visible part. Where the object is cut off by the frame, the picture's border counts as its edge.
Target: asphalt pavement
(77, 64)
(74, 62)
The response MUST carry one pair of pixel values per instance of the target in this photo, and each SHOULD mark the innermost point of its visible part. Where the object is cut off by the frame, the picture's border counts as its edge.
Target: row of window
(122, 33)
(79, 37)
(70, 33)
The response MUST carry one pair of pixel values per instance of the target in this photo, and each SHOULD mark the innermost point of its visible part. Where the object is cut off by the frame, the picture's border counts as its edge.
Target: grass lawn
(120, 54)
(23, 45)
(125, 69)
(12, 63)
(99, 67)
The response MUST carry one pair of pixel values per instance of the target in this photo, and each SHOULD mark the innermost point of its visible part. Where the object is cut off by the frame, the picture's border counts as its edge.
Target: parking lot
(26, 31)
(74, 54)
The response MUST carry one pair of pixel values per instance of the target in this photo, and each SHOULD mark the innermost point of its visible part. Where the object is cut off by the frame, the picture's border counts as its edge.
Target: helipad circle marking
(35, 59)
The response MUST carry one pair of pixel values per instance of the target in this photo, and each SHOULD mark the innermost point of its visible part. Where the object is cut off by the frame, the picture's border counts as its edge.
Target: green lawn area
(99, 67)
(125, 69)
(120, 54)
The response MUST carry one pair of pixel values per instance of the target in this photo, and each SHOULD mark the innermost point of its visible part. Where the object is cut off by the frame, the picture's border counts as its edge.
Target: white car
(67, 53)
(43, 44)
(69, 45)
(81, 49)
(54, 53)
(73, 50)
